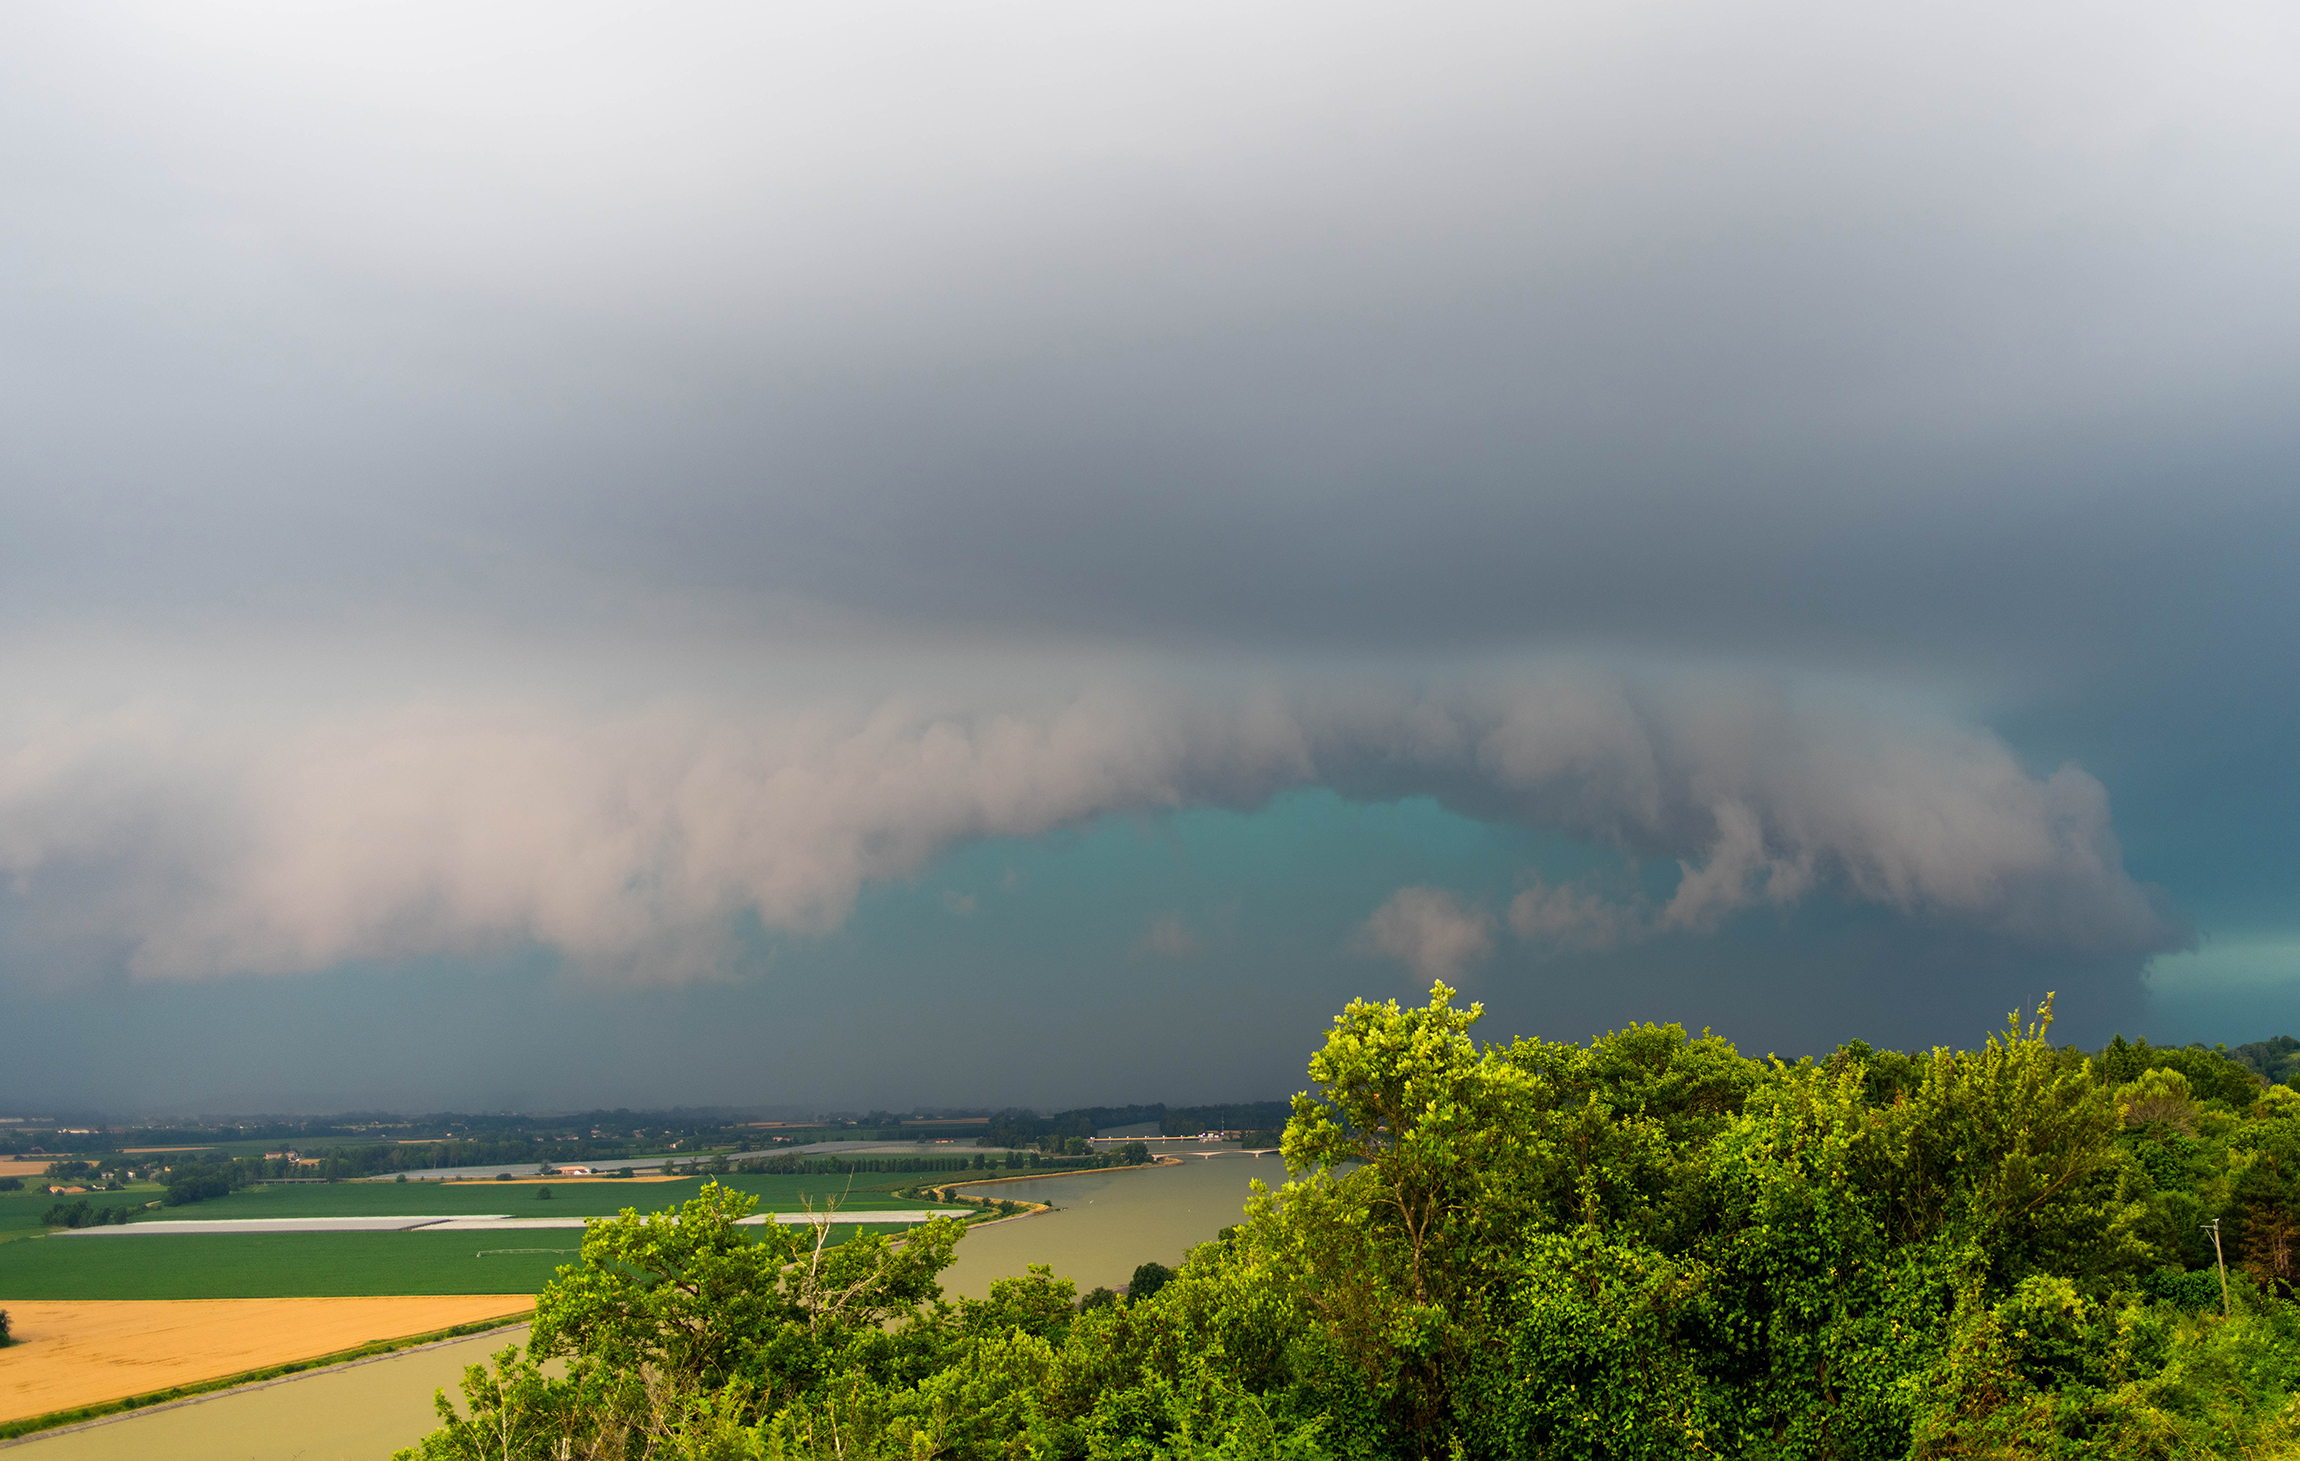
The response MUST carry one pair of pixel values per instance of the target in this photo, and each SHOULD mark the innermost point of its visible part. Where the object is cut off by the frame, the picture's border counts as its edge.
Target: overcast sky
(563, 555)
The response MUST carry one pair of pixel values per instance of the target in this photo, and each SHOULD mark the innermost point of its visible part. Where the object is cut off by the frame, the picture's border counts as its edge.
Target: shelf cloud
(633, 844)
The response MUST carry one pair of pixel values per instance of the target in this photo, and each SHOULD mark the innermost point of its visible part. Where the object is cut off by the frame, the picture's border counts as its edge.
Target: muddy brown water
(1106, 1223)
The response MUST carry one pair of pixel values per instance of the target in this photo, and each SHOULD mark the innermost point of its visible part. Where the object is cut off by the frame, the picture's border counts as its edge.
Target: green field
(291, 1265)
(20, 1212)
(568, 1199)
(288, 1265)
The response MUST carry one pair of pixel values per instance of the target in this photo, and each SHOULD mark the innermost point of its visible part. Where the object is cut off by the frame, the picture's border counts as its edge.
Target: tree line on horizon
(353, 1144)
(364, 1128)
(601, 1134)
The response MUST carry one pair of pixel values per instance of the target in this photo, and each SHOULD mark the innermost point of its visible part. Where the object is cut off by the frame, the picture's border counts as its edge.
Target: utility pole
(2213, 1228)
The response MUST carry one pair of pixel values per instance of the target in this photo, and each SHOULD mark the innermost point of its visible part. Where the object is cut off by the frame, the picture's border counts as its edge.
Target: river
(1106, 1223)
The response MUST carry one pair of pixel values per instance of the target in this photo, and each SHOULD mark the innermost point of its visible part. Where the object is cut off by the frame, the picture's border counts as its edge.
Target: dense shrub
(2276, 1061)
(1646, 1247)
(197, 1184)
(81, 1214)
(1147, 1280)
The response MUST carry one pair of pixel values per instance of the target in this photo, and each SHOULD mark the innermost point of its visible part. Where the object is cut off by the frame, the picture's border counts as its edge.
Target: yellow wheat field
(78, 1353)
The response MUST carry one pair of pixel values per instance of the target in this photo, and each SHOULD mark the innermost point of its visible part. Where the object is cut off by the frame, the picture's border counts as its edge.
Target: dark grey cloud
(1849, 336)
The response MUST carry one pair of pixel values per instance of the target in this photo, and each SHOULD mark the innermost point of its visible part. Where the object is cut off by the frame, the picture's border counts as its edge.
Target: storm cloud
(629, 844)
(632, 488)
(1874, 339)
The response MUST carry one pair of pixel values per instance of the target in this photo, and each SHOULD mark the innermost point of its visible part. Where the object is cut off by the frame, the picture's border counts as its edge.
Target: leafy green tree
(2276, 1061)
(1648, 1246)
(514, 1412)
(1428, 1122)
(676, 1305)
(2214, 1075)
(1148, 1279)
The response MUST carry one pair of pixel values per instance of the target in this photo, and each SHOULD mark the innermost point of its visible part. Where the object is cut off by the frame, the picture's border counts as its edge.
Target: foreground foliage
(1647, 1247)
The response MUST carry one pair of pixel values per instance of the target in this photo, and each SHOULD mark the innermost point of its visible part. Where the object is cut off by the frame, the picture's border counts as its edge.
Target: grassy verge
(9, 1430)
